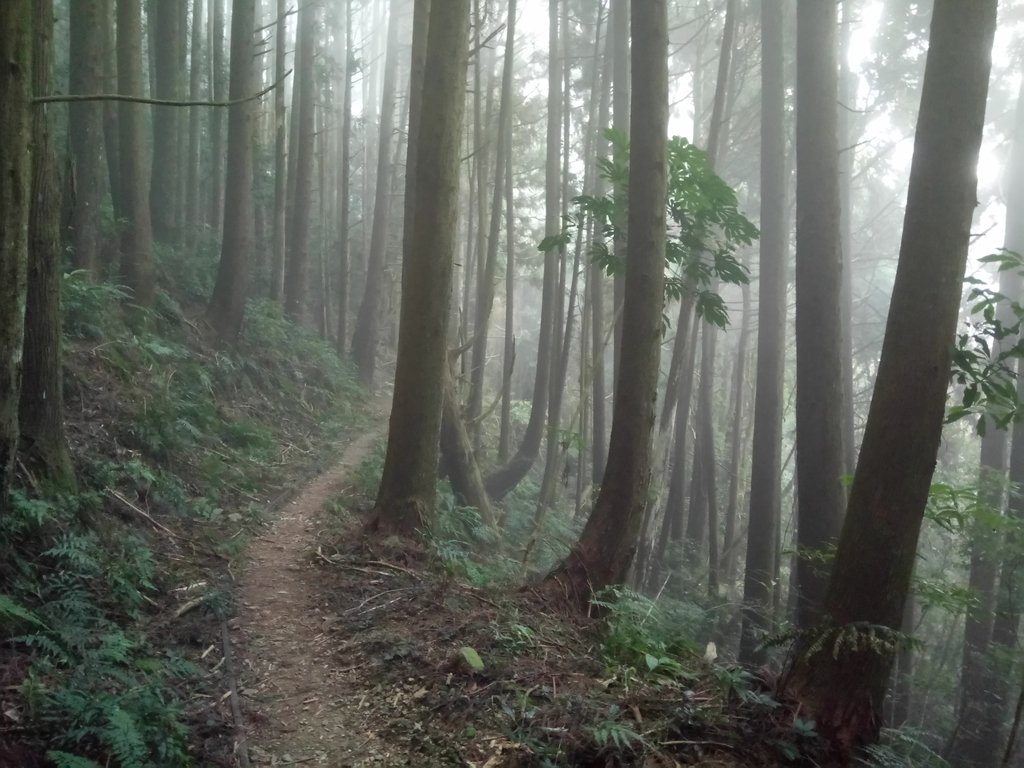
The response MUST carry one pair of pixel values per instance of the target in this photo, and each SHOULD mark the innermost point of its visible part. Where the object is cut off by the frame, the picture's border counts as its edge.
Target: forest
(511, 383)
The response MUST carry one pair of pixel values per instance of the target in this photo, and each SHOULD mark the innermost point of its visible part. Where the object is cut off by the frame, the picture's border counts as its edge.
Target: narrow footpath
(296, 696)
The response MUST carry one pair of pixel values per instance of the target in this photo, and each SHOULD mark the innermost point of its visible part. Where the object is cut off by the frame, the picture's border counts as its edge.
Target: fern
(124, 738)
(67, 760)
(13, 612)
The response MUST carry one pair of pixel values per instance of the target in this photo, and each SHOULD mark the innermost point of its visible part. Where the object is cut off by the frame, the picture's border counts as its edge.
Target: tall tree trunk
(736, 442)
(41, 409)
(847, 152)
(903, 685)
(137, 235)
(277, 254)
(344, 171)
(485, 293)
(85, 132)
(984, 688)
(619, 34)
(819, 445)
(766, 450)
(505, 477)
(871, 574)
(193, 188)
(111, 112)
(674, 522)
(367, 331)
(297, 268)
(227, 305)
(218, 77)
(405, 501)
(165, 38)
(508, 357)
(704, 493)
(606, 547)
(596, 291)
(15, 170)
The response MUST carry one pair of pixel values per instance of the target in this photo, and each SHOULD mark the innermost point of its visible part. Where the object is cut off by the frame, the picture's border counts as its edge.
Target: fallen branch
(142, 513)
(236, 710)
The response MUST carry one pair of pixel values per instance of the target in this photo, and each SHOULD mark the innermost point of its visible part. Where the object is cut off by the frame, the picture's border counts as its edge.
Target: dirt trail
(299, 705)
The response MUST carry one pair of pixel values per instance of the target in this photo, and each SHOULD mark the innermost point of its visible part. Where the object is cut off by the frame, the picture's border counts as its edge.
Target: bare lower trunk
(41, 410)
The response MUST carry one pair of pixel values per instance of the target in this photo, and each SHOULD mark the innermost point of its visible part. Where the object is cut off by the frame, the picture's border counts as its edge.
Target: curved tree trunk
(485, 282)
(504, 478)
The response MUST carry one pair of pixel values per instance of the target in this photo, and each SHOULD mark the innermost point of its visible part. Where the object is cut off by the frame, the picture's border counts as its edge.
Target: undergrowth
(176, 444)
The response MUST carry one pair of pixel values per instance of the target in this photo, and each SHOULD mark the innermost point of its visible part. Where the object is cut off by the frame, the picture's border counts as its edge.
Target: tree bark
(872, 569)
(985, 689)
(85, 133)
(165, 38)
(606, 547)
(766, 450)
(15, 170)
(218, 77)
(277, 254)
(406, 499)
(819, 446)
(227, 305)
(41, 408)
(485, 293)
(736, 444)
(508, 357)
(137, 266)
(344, 173)
(193, 188)
(619, 34)
(367, 331)
(111, 112)
(297, 267)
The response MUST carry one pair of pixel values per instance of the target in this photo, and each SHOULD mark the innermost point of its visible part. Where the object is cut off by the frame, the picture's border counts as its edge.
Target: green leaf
(472, 658)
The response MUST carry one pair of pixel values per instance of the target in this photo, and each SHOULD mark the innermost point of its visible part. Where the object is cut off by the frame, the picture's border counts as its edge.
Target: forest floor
(359, 652)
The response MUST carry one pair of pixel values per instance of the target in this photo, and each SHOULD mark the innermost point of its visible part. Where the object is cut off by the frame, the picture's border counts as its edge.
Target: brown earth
(348, 653)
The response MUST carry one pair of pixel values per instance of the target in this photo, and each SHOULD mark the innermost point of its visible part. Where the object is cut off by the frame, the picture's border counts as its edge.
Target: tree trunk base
(399, 517)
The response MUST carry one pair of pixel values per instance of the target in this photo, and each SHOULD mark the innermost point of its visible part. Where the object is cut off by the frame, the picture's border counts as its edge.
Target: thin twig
(70, 97)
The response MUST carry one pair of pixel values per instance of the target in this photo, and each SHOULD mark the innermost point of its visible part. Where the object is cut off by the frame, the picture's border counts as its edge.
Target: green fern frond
(12, 613)
(67, 760)
(124, 738)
